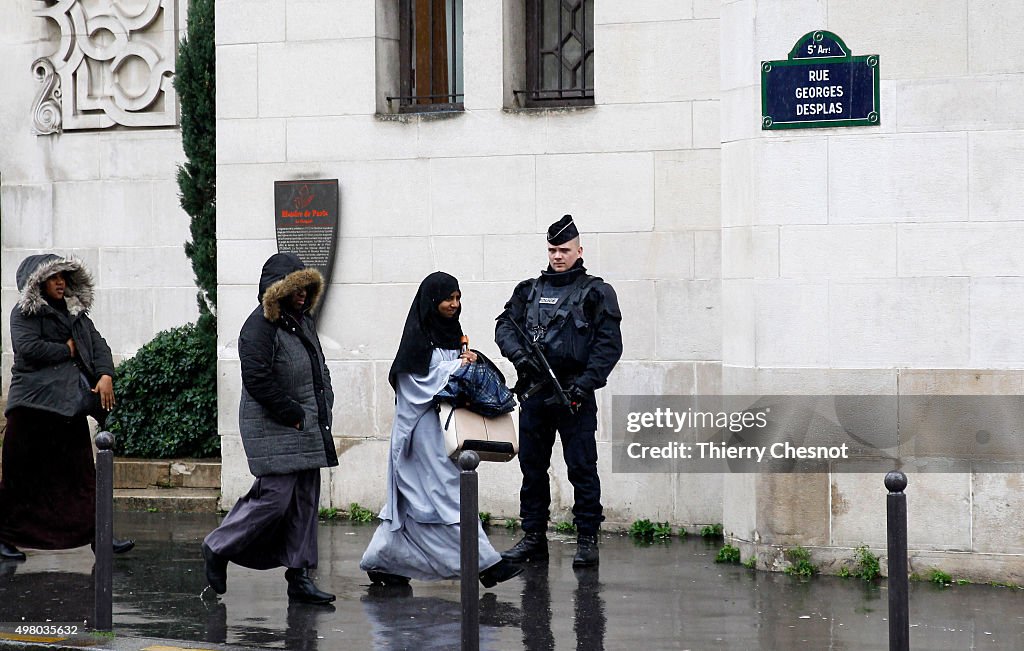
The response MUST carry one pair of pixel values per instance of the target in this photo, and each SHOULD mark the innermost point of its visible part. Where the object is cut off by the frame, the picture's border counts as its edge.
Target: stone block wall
(302, 95)
(107, 196)
(876, 259)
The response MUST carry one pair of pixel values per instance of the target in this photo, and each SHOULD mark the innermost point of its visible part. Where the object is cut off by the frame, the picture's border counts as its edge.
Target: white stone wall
(860, 260)
(300, 86)
(109, 197)
(866, 259)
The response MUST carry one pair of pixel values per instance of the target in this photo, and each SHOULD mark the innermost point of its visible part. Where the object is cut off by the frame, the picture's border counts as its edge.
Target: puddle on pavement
(670, 596)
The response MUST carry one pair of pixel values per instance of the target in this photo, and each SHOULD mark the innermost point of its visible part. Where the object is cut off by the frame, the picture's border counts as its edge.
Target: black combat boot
(503, 570)
(301, 588)
(532, 547)
(216, 570)
(586, 551)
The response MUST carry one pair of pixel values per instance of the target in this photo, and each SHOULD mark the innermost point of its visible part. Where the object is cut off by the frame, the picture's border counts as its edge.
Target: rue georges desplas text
(722, 424)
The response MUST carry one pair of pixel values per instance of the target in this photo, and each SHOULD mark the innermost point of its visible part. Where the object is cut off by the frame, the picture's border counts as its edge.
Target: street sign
(820, 85)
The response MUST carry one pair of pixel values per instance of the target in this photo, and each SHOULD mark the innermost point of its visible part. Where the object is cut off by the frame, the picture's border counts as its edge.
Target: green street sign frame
(825, 54)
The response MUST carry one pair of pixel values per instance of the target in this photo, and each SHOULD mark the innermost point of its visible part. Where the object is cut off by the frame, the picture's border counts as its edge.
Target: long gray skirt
(426, 552)
(273, 525)
(420, 533)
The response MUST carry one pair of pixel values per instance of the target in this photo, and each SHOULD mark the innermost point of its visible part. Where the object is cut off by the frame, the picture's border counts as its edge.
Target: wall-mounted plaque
(820, 85)
(306, 221)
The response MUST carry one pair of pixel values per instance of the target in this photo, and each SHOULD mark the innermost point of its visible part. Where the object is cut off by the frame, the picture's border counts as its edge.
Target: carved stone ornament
(113, 65)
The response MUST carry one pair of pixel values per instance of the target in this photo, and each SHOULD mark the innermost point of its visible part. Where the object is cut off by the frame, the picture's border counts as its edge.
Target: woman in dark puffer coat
(285, 423)
(48, 491)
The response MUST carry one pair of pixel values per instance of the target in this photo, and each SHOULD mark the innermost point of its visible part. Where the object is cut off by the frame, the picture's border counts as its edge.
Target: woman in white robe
(419, 536)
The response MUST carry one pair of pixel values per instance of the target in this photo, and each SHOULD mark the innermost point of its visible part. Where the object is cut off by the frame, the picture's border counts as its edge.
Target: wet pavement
(661, 596)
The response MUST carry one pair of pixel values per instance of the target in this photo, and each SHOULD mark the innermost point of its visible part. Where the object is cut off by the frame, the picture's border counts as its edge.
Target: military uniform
(575, 318)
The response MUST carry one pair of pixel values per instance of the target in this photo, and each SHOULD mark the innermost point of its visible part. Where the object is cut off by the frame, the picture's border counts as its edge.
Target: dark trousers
(274, 524)
(537, 426)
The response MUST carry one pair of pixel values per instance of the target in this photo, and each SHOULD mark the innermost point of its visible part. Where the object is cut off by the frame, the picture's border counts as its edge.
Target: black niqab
(425, 328)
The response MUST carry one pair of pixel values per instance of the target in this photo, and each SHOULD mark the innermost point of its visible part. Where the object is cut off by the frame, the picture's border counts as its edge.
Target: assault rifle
(533, 350)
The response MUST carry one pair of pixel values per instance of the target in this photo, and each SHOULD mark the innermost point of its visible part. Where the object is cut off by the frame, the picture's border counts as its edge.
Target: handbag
(493, 438)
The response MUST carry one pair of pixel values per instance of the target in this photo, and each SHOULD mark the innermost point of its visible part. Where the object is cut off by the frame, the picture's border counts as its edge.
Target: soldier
(574, 317)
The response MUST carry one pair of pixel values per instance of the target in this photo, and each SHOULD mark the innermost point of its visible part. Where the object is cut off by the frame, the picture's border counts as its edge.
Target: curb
(99, 642)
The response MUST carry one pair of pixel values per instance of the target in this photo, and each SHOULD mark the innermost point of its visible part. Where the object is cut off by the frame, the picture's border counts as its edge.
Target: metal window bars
(571, 81)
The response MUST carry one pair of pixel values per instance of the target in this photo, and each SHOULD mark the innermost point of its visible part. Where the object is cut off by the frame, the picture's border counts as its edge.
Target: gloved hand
(527, 367)
(577, 397)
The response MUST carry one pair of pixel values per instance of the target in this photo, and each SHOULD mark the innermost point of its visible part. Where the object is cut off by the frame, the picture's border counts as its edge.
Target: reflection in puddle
(661, 597)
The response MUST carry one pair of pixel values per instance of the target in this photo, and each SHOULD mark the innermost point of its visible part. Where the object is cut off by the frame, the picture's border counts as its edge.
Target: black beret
(562, 231)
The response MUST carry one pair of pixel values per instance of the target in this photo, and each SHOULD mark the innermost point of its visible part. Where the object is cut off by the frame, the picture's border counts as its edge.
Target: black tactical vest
(555, 318)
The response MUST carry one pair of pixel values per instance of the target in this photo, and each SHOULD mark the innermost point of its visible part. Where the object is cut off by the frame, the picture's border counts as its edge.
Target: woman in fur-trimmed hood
(53, 337)
(285, 421)
(47, 495)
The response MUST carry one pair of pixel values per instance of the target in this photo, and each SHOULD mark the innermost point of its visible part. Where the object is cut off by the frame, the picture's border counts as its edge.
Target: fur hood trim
(34, 271)
(308, 278)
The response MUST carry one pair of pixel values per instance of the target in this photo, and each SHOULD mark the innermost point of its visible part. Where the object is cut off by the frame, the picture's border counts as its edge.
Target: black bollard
(104, 542)
(899, 586)
(470, 561)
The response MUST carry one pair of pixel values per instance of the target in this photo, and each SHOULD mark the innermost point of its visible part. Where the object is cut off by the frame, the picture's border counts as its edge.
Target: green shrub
(167, 398)
(800, 563)
(565, 527)
(750, 563)
(728, 554)
(485, 518)
(328, 514)
(711, 531)
(642, 530)
(357, 513)
(511, 524)
(866, 565)
(645, 531)
(938, 577)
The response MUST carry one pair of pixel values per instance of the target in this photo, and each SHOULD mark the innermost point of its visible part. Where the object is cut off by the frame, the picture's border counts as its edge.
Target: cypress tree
(195, 81)
(168, 391)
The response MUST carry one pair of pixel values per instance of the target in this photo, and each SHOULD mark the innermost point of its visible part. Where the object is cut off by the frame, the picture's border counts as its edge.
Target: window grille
(559, 53)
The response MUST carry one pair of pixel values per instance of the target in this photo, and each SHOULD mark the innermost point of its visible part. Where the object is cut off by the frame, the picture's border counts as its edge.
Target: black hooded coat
(48, 490)
(285, 380)
(44, 375)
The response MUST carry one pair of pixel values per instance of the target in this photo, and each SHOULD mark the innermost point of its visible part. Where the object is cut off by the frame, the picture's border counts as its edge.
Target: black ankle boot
(586, 551)
(122, 546)
(301, 588)
(10, 553)
(532, 547)
(503, 570)
(216, 570)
